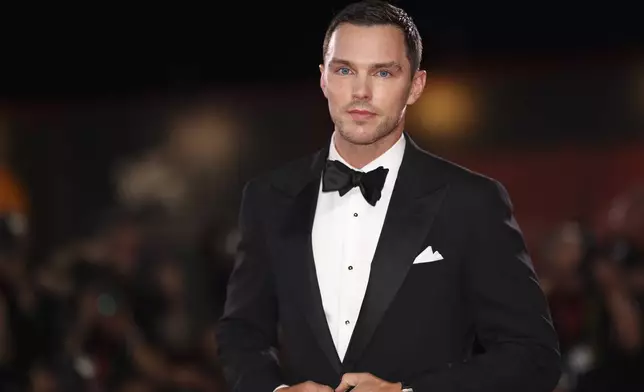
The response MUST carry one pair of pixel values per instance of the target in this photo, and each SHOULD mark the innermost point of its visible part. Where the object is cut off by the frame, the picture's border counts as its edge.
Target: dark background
(76, 52)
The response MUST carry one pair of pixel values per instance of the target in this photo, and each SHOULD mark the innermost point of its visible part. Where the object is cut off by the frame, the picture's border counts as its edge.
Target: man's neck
(360, 155)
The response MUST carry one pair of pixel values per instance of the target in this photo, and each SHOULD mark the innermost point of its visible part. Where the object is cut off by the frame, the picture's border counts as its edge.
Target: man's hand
(365, 382)
(308, 386)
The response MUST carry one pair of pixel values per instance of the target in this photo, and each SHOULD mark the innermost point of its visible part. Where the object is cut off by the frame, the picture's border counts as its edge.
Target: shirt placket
(349, 268)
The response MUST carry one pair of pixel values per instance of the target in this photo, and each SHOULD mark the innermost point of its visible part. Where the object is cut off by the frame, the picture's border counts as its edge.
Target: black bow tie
(339, 177)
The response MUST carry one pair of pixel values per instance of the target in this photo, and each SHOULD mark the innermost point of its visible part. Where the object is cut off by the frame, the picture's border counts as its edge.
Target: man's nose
(362, 88)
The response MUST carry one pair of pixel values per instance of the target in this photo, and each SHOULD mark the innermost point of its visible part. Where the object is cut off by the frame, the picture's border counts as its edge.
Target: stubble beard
(350, 130)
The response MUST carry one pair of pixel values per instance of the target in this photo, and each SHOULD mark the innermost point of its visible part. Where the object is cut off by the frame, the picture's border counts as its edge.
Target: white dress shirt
(345, 234)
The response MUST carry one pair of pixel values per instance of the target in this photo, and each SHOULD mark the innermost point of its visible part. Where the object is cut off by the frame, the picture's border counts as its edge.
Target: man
(374, 265)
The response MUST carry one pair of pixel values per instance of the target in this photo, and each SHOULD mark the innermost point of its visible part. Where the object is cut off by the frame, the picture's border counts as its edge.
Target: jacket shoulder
(471, 184)
(288, 176)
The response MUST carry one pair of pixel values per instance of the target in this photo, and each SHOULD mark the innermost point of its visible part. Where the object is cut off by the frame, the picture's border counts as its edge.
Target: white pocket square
(427, 256)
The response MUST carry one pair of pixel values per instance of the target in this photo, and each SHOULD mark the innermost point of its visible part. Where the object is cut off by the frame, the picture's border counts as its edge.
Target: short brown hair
(373, 13)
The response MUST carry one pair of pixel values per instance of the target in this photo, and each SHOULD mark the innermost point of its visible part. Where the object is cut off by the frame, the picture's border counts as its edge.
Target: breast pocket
(433, 272)
(428, 255)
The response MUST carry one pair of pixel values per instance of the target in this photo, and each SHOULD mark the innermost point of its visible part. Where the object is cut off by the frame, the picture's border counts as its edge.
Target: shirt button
(355, 214)
(350, 268)
(347, 322)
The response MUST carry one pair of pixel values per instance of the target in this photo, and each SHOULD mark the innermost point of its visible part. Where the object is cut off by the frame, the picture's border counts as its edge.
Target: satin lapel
(299, 250)
(417, 197)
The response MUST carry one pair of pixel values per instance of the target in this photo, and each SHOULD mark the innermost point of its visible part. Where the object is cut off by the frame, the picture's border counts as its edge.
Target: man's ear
(417, 86)
(322, 80)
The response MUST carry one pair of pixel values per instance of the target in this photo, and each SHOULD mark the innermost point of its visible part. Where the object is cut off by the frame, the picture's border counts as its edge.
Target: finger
(311, 386)
(349, 380)
(315, 387)
(344, 387)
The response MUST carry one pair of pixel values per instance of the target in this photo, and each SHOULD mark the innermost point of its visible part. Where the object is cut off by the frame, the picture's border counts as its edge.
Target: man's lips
(358, 114)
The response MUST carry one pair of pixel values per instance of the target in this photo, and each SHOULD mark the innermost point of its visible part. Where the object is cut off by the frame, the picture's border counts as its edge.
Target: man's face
(367, 81)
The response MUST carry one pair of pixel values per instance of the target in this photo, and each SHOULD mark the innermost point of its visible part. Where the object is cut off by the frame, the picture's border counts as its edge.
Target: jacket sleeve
(511, 315)
(246, 332)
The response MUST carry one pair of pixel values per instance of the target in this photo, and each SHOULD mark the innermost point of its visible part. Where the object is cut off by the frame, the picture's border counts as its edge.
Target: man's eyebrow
(391, 64)
(340, 61)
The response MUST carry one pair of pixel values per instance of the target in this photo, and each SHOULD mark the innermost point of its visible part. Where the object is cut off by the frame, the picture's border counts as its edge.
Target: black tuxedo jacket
(475, 321)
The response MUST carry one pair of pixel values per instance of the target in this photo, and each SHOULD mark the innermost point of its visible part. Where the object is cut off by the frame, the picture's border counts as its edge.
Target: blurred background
(126, 136)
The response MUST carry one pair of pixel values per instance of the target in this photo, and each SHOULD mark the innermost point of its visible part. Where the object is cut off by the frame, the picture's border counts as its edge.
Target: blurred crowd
(593, 274)
(117, 310)
(130, 303)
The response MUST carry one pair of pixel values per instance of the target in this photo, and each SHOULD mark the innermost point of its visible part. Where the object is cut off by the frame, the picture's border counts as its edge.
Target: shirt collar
(391, 159)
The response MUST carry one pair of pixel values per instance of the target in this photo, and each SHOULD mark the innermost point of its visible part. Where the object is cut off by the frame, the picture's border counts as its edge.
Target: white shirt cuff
(280, 387)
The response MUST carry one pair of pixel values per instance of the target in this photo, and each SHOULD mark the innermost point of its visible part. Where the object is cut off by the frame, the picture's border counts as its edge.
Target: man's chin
(359, 137)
